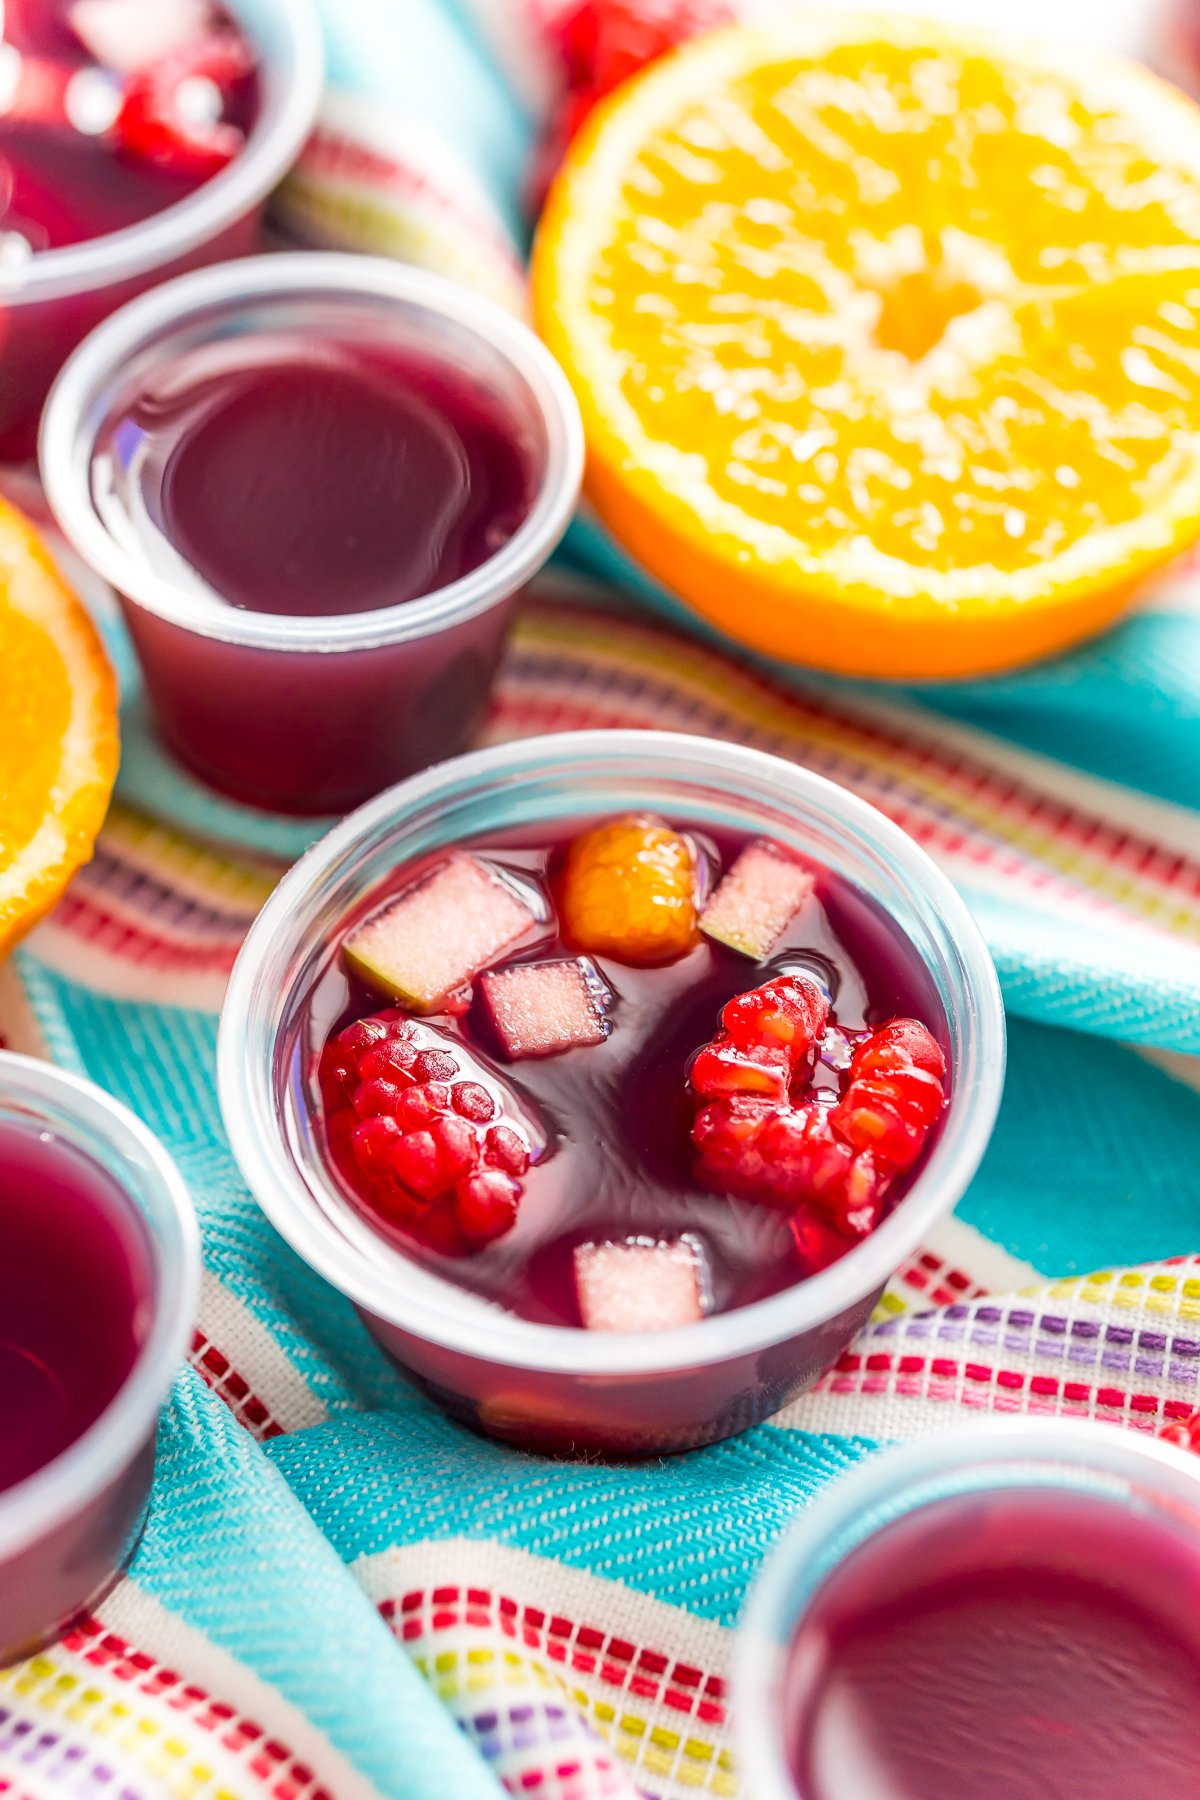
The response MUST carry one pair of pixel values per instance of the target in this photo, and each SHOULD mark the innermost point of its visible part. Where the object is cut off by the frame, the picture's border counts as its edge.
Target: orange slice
(58, 730)
(887, 337)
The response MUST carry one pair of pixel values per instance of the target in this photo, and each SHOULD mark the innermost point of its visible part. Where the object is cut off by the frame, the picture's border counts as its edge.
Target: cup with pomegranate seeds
(611, 1075)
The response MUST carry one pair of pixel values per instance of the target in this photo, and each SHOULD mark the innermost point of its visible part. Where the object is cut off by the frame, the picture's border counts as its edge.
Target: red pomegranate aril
(374, 1097)
(416, 1162)
(506, 1149)
(435, 1065)
(372, 1142)
(419, 1105)
(457, 1144)
(360, 1037)
(486, 1205)
(473, 1101)
(390, 1061)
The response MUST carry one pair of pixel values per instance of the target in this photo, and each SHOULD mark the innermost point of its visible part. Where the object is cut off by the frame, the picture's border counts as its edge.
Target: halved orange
(58, 730)
(886, 336)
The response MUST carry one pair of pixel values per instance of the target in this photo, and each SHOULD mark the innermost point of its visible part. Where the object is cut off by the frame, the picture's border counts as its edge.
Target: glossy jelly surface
(297, 476)
(114, 110)
(611, 1118)
(1020, 1645)
(76, 1287)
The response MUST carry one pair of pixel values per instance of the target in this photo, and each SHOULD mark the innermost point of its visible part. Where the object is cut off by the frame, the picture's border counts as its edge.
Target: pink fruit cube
(540, 1009)
(425, 946)
(758, 897)
(641, 1284)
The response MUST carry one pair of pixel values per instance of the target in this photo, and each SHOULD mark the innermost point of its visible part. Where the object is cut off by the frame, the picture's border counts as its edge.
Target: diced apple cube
(540, 1009)
(641, 1284)
(757, 899)
(433, 939)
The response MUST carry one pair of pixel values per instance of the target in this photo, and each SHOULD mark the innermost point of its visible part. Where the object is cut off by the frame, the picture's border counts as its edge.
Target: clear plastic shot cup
(68, 1528)
(555, 1387)
(1033, 1509)
(50, 302)
(299, 713)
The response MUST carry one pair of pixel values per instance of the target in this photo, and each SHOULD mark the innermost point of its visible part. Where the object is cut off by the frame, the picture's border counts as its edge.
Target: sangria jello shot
(1010, 1610)
(138, 138)
(318, 483)
(611, 1074)
(99, 1281)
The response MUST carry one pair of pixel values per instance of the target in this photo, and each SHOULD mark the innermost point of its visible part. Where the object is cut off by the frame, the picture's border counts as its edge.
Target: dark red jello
(112, 111)
(624, 1072)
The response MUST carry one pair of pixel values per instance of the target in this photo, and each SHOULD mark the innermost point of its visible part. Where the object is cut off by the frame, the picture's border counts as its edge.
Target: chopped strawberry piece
(472, 1101)
(173, 112)
(757, 899)
(486, 1205)
(900, 1044)
(790, 1011)
(542, 1009)
(724, 1067)
(435, 938)
(640, 1285)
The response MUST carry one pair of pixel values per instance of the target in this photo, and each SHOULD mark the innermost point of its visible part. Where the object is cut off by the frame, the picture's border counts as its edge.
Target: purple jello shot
(489, 1333)
(318, 484)
(99, 1279)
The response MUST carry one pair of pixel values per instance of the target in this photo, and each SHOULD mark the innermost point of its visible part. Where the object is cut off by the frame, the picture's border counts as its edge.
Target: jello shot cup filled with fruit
(611, 1075)
(1009, 1610)
(318, 484)
(138, 138)
(99, 1280)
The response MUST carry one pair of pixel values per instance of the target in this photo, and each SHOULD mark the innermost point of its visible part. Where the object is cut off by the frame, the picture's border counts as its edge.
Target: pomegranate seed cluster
(434, 1152)
(762, 1134)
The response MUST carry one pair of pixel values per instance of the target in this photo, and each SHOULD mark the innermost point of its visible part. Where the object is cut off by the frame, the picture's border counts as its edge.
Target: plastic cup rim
(253, 1127)
(65, 442)
(62, 1487)
(769, 1618)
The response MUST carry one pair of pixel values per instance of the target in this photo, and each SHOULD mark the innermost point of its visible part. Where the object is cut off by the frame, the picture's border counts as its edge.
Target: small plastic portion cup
(302, 714)
(67, 1531)
(51, 302)
(1063, 1457)
(553, 1387)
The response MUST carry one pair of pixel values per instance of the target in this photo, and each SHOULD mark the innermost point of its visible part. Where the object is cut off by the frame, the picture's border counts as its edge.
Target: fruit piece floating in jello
(551, 1102)
(628, 890)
